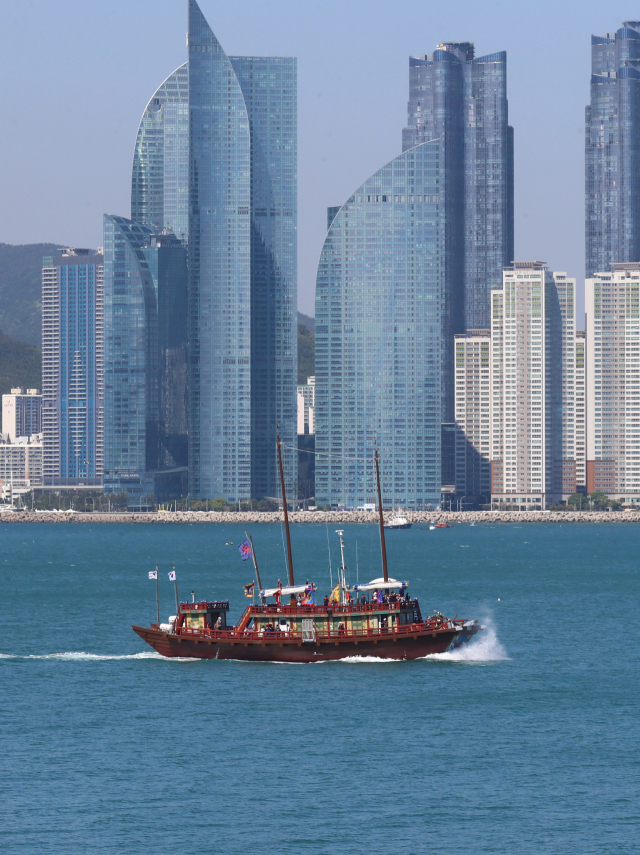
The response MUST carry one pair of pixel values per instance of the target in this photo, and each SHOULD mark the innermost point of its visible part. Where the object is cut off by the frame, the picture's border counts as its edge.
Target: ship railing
(321, 634)
(347, 608)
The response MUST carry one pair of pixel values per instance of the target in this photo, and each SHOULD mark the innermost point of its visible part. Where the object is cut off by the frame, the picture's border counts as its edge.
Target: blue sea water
(525, 742)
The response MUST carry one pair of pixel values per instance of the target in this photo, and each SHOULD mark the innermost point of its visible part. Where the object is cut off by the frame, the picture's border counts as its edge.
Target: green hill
(306, 347)
(20, 364)
(20, 289)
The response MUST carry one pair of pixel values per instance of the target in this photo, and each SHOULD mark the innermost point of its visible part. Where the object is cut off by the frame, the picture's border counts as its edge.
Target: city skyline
(343, 102)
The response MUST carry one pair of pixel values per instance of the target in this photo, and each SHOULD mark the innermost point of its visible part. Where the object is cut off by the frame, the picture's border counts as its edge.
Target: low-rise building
(21, 413)
(20, 466)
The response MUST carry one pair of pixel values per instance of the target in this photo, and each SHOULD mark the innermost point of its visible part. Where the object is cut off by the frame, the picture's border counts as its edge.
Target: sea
(526, 741)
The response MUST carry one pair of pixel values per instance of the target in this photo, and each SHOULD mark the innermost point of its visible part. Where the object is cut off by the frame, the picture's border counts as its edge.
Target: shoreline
(418, 518)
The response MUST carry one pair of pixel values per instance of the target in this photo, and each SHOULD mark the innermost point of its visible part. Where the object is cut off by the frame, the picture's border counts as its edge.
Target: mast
(157, 595)
(383, 545)
(286, 520)
(343, 578)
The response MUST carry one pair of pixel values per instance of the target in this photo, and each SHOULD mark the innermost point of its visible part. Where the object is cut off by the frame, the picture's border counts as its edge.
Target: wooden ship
(378, 619)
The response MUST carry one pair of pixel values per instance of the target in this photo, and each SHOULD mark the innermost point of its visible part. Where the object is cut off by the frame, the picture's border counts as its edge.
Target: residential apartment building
(612, 302)
(473, 416)
(21, 413)
(533, 387)
(580, 412)
(72, 368)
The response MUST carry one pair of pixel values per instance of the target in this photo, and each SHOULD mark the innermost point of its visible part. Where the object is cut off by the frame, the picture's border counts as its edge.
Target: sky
(77, 75)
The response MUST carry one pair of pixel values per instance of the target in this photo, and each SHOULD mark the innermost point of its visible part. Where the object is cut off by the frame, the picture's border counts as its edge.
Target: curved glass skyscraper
(215, 163)
(160, 177)
(409, 261)
(612, 140)
(380, 304)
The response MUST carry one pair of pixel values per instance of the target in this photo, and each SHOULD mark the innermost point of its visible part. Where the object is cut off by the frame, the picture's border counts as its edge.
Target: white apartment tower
(580, 412)
(472, 415)
(533, 387)
(612, 303)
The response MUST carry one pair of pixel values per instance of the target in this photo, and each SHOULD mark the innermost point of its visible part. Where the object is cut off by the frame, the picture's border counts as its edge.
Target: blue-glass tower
(131, 375)
(612, 215)
(215, 166)
(461, 101)
(145, 370)
(381, 299)
(409, 262)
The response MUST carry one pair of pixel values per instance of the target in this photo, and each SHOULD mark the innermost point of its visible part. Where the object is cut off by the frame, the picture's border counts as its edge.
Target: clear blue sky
(77, 75)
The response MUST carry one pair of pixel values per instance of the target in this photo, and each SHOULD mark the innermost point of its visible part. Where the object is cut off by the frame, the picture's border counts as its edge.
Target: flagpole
(175, 582)
(157, 594)
(255, 561)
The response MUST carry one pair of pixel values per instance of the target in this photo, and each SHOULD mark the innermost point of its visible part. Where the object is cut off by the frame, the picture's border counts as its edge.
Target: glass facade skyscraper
(72, 362)
(145, 360)
(160, 176)
(409, 262)
(131, 375)
(242, 267)
(612, 139)
(380, 303)
(462, 101)
(215, 163)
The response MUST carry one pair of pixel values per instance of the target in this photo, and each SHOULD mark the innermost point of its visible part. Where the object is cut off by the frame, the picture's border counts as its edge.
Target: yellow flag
(335, 595)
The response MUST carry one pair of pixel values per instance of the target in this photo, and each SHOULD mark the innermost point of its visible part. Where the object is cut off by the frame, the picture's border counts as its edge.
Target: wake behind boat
(377, 619)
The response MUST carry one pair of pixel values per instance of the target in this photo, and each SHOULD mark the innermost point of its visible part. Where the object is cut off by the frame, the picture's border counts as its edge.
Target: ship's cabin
(203, 615)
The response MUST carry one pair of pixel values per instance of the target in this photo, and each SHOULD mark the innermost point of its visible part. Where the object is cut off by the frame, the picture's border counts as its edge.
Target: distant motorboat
(398, 521)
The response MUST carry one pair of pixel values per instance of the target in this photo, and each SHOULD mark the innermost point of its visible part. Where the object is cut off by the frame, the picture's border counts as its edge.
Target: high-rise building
(21, 413)
(473, 416)
(72, 368)
(533, 387)
(380, 297)
(145, 365)
(612, 139)
(612, 303)
(409, 262)
(215, 161)
(461, 101)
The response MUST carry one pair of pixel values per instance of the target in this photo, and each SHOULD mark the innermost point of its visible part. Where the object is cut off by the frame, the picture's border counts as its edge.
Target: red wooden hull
(384, 646)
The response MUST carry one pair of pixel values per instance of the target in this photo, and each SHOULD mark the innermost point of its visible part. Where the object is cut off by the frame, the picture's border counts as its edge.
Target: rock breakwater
(418, 518)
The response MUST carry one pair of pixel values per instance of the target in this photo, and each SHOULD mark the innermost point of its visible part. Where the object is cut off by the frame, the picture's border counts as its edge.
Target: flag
(248, 589)
(245, 550)
(153, 574)
(172, 576)
(334, 597)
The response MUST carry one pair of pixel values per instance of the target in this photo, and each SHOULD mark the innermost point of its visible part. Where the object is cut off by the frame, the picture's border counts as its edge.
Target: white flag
(172, 576)
(153, 574)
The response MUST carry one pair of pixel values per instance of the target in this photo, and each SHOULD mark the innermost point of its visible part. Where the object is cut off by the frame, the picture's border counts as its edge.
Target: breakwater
(420, 518)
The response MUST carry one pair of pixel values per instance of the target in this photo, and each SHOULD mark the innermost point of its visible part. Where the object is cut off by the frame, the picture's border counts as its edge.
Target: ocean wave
(485, 647)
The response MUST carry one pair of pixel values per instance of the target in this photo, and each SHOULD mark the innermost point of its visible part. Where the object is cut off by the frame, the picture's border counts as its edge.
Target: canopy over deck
(288, 589)
(381, 585)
